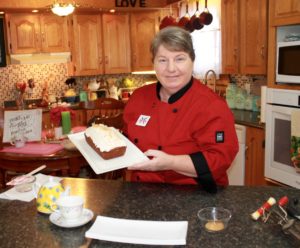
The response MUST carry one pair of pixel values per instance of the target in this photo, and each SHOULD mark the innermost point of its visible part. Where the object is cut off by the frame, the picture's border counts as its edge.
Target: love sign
(130, 3)
(22, 122)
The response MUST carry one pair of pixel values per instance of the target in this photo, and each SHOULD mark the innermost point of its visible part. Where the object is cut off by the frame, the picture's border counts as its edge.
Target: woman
(183, 126)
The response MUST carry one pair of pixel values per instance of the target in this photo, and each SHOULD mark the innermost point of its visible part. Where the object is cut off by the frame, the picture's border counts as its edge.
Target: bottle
(230, 95)
(248, 102)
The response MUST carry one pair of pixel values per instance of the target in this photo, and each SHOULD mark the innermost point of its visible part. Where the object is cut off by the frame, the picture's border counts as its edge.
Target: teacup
(69, 207)
(18, 141)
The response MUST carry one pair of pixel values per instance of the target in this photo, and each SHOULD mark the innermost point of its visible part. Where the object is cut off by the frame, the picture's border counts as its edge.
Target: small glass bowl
(214, 219)
(26, 185)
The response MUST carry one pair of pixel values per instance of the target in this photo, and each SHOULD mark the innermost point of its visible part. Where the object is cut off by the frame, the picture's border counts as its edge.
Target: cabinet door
(284, 12)
(230, 34)
(116, 43)
(255, 156)
(87, 52)
(143, 28)
(253, 36)
(54, 33)
(24, 33)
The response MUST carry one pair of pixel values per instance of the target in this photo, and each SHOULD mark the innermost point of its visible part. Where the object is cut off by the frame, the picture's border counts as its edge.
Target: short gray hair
(174, 39)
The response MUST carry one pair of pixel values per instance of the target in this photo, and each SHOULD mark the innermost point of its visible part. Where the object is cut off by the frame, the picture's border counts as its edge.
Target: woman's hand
(160, 161)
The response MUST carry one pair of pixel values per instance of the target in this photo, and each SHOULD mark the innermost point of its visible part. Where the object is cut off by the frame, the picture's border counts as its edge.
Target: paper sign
(27, 123)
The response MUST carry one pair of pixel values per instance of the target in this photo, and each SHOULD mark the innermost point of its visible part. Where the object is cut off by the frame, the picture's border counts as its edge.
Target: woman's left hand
(160, 161)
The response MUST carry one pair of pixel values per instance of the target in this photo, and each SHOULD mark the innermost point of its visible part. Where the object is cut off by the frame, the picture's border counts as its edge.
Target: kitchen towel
(263, 104)
(12, 194)
(139, 231)
(295, 139)
(35, 149)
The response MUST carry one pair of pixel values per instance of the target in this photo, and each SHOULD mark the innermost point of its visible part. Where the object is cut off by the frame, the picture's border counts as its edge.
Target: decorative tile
(55, 76)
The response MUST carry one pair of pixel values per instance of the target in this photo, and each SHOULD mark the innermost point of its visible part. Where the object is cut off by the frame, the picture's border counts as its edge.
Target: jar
(230, 95)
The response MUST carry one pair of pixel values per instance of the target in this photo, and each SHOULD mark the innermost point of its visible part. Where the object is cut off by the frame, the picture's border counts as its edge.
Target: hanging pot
(206, 17)
(195, 20)
(168, 20)
(185, 21)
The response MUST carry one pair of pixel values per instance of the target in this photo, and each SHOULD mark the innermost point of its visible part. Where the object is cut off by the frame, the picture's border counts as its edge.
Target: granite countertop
(22, 226)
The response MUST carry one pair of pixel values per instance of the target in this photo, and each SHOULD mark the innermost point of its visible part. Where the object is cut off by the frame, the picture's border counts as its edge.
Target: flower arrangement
(21, 86)
(55, 114)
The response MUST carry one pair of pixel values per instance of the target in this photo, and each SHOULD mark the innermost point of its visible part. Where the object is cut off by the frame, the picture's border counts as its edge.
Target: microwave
(287, 62)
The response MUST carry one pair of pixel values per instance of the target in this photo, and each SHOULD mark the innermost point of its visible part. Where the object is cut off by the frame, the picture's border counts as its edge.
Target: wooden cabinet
(284, 12)
(116, 38)
(86, 46)
(29, 33)
(244, 36)
(143, 28)
(230, 36)
(255, 156)
(253, 37)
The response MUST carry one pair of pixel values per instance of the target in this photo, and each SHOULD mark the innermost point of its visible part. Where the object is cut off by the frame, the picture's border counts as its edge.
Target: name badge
(142, 120)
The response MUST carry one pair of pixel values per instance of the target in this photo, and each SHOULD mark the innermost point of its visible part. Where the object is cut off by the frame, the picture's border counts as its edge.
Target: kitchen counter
(242, 117)
(247, 118)
(22, 226)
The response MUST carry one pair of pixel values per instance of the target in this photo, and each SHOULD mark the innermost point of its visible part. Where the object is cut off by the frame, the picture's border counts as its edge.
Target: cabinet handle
(100, 61)
(37, 38)
(262, 51)
(43, 37)
(106, 60)
(134, 58)
(235, 52)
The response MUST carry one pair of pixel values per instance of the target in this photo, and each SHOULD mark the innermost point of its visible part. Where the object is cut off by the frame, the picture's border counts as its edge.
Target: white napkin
(139, 231)
(12, 194)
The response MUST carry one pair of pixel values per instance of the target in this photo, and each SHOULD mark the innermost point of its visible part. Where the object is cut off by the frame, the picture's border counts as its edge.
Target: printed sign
(25, 123)
(130, 3)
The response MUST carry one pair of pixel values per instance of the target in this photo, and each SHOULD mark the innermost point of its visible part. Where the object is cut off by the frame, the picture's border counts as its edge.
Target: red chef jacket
(195, 121)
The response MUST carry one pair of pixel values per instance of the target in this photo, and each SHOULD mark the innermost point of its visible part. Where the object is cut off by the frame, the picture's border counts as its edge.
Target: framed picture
(2, 44)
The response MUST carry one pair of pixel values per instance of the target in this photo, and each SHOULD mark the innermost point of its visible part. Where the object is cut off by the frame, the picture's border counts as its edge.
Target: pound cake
(105, 141)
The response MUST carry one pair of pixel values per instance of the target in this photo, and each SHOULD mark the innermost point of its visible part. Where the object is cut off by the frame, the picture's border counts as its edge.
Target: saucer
(58, 220)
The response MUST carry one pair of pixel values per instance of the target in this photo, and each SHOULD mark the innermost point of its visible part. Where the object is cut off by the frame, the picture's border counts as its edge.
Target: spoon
(206, 17)
(21, 179)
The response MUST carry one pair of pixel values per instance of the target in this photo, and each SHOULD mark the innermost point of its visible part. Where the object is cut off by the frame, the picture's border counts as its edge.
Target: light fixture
(62, 9)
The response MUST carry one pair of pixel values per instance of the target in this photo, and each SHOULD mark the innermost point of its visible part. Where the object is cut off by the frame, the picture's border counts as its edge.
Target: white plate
(132, 155)
(139, 231)
(57, 219)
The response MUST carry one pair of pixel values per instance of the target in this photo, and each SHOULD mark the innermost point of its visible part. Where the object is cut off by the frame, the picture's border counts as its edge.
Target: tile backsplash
(54, 75)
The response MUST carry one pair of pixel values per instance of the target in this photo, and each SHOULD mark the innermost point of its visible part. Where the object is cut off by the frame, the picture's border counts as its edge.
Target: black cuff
(205, 178)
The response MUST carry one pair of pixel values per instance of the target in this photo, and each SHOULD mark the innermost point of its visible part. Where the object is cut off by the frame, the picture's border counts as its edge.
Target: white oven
(278, 165)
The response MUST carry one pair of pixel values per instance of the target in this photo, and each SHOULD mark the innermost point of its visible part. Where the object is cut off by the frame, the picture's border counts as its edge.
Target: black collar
(176, 96)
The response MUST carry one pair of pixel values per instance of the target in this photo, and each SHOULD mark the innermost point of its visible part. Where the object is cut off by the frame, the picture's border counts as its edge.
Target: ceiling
(88, 4)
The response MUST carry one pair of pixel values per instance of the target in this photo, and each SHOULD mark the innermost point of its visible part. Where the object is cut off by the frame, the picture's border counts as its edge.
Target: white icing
(105, 138)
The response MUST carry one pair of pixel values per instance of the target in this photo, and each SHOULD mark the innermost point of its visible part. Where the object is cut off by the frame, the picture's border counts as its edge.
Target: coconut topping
(105, 138)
